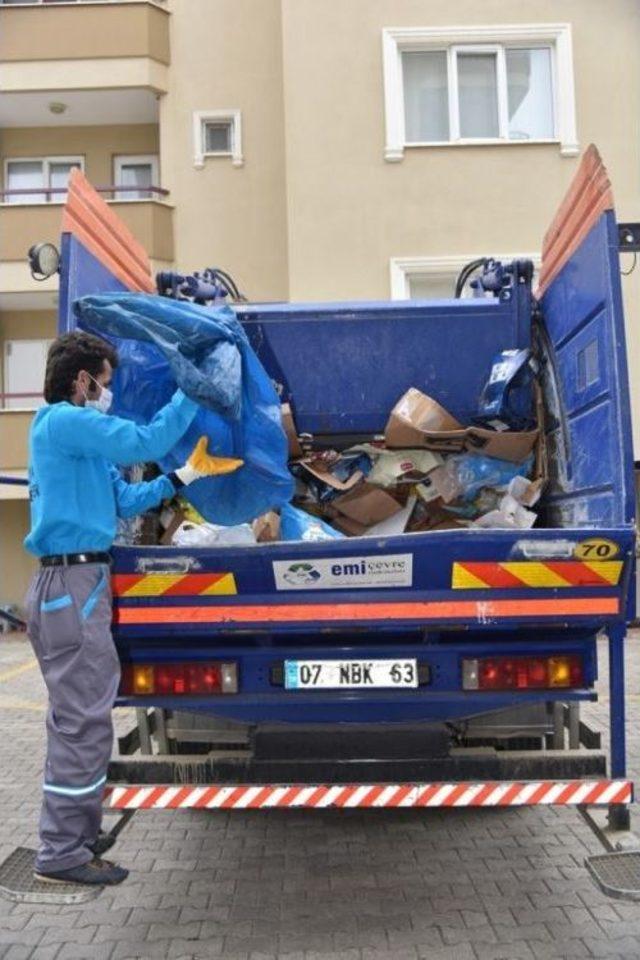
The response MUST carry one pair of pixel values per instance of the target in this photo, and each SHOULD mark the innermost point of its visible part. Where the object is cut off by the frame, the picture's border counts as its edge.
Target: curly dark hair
(67, 356)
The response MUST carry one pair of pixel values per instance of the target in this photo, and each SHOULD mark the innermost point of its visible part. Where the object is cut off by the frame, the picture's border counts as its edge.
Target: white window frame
(401, 269)
(487, 38)
(46, 161)
(122, 159)
(200, 119)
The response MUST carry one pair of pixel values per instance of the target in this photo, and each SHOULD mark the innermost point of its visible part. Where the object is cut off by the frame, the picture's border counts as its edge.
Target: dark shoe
(103, 843)
(95, 872)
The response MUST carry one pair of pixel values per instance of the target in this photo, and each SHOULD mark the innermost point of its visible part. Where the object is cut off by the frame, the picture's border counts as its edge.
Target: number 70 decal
(596, 549)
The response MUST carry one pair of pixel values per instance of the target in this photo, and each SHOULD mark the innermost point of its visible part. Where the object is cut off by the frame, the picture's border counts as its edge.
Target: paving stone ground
(333, 885)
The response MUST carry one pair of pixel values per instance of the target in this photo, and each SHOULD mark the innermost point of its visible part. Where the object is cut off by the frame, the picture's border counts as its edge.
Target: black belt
(68, 559)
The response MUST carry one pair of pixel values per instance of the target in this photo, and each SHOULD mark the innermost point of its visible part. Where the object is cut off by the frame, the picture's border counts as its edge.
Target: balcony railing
(59, 194)
(21, 401)
(29, 214)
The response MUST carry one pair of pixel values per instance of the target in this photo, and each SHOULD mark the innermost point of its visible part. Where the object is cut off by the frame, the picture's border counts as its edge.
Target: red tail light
(522, 673)
(178, 679)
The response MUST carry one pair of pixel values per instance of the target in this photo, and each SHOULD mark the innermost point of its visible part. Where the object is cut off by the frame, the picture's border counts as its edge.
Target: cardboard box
(419, 421)
(415, 417)
(367, 505)
(512, 446)
(289, 426)
(267, 527)
(351, 527)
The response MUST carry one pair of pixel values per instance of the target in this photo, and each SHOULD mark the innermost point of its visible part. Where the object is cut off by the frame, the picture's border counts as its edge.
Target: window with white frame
(434, 278)
(27, 178)
(217, 133)
(480, 84)
(134, 175)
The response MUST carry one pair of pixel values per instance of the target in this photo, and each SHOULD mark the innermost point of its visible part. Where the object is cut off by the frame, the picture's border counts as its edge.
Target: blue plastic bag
(297, 525)
(508, 395)
(471, 473)
(161, 343)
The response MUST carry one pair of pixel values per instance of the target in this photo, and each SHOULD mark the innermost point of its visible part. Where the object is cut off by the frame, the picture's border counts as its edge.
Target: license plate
(349, 674)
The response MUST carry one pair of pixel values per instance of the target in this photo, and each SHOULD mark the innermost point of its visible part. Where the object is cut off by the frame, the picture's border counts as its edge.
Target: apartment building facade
(315, 149)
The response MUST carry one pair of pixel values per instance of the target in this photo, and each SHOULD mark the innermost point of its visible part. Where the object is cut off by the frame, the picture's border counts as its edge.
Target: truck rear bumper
(255, 796)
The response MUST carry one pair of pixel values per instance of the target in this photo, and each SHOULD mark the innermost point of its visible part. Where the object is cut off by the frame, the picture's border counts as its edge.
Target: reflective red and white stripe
(319, 796)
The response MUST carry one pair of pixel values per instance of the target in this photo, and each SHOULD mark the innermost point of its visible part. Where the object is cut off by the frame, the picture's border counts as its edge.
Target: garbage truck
(462, 656)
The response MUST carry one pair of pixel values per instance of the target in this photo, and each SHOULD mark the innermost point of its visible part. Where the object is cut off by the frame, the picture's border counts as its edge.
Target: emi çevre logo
(390, 570)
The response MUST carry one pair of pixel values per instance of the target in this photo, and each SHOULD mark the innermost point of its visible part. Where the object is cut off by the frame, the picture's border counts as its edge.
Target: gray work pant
(69, 625)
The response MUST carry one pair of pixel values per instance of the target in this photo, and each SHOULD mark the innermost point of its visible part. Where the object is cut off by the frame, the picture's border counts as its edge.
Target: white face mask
(104, 400)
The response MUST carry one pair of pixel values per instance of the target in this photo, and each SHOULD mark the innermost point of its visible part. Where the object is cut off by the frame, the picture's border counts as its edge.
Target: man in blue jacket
(76, 495)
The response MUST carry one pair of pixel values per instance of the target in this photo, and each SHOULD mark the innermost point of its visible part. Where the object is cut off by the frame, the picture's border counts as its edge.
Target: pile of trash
(427, 472)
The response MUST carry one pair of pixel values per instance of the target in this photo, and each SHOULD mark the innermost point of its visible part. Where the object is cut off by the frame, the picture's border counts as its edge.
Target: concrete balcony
(70, 64)
(23, 224)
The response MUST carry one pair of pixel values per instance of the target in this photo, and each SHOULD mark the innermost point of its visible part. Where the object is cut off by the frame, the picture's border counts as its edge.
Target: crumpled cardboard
(367, 504)
(418, 420)
(170, 519)
(322, 472)
(394, 525)
(289, 427)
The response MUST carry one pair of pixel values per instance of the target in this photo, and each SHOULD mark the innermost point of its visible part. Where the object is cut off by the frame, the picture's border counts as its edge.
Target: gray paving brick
(80, 951)
(451, 935)
(201, 948)
(65, 935)
(21, 952)
(106, 933)
(430, 935)
(17, 922)
(617, 929)
(27, 938)
(142, 915)
(563, 950)
(518, 950)
(506, 933)
(463, 951)
(612, 948)
(142, 950)
(375, 953)
(333, 955)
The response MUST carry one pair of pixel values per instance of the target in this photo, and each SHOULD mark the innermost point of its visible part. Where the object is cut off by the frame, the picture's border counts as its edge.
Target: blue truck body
(343, 366)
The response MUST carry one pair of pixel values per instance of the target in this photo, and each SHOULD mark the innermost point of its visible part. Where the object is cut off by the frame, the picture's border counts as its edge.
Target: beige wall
(350, 210)
(98, 145)
(14, 438)
(16, 565)
(233, 217)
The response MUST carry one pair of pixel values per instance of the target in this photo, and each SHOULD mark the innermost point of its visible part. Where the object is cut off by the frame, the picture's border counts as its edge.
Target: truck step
(617, 874)
(18, 883)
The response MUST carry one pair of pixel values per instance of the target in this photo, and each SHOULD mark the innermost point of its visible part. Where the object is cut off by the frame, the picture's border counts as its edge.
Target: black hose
(465, 273)
(229, 282)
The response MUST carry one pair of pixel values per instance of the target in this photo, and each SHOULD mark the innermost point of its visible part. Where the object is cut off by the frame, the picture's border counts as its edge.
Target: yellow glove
(202, 464)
